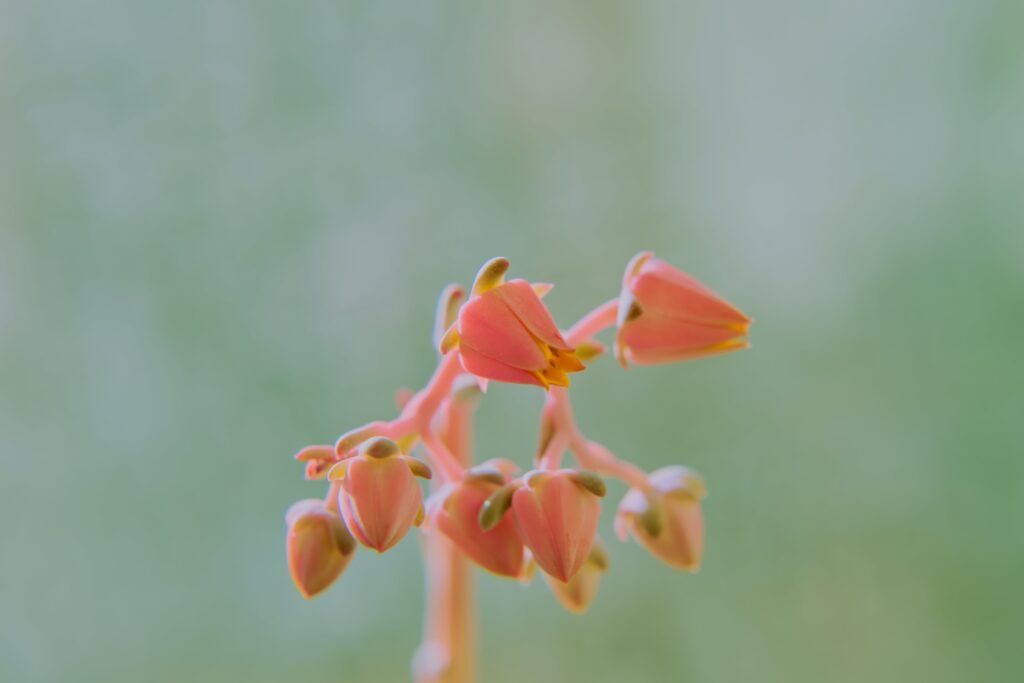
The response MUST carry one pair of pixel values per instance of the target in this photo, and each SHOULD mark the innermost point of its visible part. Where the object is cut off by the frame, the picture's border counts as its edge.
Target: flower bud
(380, 499)
(505, 333)
(556, 512)
(318, 546)
(456, 512)
(667, 520)
(666, 315)
(577, 593)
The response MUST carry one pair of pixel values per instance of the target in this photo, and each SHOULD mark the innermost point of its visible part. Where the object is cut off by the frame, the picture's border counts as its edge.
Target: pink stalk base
(448, 651)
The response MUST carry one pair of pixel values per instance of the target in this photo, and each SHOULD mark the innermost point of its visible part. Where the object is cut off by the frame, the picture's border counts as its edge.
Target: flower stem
(448, 651)
(591, 454)
(598, 319)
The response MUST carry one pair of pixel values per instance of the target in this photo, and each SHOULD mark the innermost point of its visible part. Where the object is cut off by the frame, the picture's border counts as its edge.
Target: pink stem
(552, 456)
(598, 319)
(448, 652)
(592, 455)
(442, 458)
(331, 499)
(422, 407)
(417, 414)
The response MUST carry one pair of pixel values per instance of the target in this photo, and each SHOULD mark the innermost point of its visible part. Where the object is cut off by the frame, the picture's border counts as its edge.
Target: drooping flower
(556, 512)
(379, 498)
(667, 520)
(456, 511)
(666, 315)
(318, 546)
(505, 333)
(577, 593)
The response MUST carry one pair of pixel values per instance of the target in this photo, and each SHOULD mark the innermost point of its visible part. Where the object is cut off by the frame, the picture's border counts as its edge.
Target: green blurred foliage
(223, 226)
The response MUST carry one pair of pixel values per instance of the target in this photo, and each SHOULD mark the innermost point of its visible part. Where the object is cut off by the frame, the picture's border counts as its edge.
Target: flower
(556, 512)
(667, 519)
(379, 498)
(456, 511)
(577, 593)
(505, 333)
(318, 546)
(666, 315)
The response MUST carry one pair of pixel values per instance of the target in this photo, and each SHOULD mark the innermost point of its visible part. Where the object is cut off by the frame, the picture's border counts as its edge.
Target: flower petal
(662, 288)
(527, 306)
(654, 338)
(489, 326)
(480, 365)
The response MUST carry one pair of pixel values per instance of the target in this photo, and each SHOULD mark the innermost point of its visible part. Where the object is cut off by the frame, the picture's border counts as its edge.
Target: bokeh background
(223, 226)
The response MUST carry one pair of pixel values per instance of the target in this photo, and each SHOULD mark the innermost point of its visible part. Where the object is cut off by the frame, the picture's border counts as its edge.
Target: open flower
(667, 520)
(493, 543)
(557, 512)
(505, 333)
(666, 315)
(577, 593)
(380, 499)
(318, 546)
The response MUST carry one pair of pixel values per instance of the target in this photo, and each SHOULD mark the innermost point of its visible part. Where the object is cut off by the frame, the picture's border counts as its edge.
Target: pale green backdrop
(223, 226)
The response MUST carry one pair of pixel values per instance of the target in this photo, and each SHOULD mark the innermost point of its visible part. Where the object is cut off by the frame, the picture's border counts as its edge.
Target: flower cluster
(509, 522)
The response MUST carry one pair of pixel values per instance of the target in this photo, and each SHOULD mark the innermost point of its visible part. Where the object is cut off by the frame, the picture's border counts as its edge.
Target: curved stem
(424, 404)
(590, 454)
(598, 319)
(442, 458)
(331, 499)
(551, 458)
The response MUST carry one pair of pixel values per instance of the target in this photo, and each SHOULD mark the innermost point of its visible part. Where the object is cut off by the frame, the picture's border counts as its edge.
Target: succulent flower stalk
(509, 525)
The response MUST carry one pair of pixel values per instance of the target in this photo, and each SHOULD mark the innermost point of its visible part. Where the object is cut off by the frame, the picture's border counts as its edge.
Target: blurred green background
(223, 226)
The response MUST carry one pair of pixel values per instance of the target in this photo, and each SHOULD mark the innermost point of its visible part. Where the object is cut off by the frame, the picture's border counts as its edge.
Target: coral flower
(556, 512)
(319, 547)
(577, 593)
(456, 512)
(667, 521)
(666, 315)
(505, 333)
(380, 499)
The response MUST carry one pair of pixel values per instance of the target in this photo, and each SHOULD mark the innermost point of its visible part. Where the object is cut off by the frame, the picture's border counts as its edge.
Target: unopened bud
(577, 593)
(318, 547)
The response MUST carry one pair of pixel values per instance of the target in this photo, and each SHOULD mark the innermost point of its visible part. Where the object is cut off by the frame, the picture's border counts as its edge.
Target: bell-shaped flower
(484, 534)
(557, 512)
(666, 315)
(577, 593)
(318, 546)
(380, 498)
(504, 332)
(667, 519)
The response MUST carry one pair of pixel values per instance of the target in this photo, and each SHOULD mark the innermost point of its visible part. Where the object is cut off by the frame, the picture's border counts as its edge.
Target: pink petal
(527, 306)
(499, 549)
(653, 338)
(490, 327)
(661, 288)
(482, 366)
(384, 497)
(558, 521)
